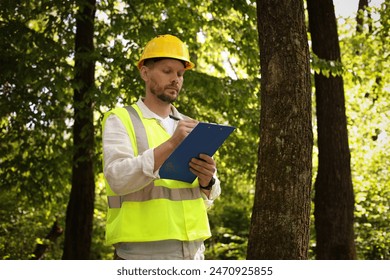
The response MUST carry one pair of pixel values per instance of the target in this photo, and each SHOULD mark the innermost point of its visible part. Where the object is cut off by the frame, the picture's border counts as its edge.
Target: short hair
(150, 61)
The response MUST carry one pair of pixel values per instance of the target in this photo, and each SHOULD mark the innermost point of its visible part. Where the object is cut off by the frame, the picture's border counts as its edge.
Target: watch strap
(210, 185)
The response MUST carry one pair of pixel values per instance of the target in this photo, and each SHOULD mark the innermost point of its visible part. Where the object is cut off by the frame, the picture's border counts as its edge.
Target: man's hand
(204, 168)
(184, 127)
(162, 152)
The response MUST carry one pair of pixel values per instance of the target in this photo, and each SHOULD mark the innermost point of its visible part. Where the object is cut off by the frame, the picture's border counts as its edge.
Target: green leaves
(367, 83)
(325, 67)
(36, 112)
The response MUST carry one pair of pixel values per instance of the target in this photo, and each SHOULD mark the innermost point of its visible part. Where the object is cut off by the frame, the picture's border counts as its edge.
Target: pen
(174, 118)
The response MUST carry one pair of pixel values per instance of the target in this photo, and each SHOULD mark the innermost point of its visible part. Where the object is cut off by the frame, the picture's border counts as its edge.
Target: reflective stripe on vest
(155, 192)
(140, 132)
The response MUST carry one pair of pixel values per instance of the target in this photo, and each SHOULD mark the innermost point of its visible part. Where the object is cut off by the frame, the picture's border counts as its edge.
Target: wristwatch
(209, 186)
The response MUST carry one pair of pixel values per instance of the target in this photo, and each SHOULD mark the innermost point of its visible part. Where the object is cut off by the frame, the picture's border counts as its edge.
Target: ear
(144, 71)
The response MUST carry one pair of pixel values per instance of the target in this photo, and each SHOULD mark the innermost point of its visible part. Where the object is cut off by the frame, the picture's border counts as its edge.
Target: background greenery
(36, 60)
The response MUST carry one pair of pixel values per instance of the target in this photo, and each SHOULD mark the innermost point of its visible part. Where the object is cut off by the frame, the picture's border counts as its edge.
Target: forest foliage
(36, 85)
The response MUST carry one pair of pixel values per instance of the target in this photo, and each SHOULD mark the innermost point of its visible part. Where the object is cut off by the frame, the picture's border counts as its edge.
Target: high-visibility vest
(165, 209)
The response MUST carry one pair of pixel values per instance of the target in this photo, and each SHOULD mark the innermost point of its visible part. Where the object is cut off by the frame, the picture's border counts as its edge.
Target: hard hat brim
(166, 46)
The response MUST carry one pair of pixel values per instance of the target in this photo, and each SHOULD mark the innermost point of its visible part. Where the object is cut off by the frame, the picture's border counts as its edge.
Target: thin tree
(79, 215)
(334, 198)
(281, 212)
(362, 7)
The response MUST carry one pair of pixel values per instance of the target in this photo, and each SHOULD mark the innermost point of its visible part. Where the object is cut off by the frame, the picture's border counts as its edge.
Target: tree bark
(79, 215)
(281, 212)
(334, 199)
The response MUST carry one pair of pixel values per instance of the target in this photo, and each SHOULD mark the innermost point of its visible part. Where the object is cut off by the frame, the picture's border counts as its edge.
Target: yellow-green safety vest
(164, 209)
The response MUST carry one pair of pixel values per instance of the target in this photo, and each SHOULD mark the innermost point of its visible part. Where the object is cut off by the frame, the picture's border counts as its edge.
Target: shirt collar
(147, 113)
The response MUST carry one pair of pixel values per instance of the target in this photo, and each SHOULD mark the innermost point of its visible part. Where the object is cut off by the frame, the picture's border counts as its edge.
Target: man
(150, 217)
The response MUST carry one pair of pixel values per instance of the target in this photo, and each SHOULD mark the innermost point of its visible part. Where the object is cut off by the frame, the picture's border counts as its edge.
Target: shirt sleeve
(125, 172)
(214, 194)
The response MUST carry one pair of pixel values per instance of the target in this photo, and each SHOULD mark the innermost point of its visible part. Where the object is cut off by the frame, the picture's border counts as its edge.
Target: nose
(175, 80)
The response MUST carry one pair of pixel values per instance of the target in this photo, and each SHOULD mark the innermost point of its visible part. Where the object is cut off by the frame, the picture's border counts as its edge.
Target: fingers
(204, 168)
(206, 158)
(183, 128)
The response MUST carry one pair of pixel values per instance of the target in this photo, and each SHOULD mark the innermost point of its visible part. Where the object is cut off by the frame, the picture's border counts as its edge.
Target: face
(164, 79)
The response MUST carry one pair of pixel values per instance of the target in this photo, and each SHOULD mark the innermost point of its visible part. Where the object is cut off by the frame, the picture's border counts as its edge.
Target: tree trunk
(334, 199)
(363, 5)
(281, 212)
(79, 215)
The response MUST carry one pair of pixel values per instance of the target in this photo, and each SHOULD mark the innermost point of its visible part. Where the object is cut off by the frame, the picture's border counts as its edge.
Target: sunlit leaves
(367, 85)
(326, 67)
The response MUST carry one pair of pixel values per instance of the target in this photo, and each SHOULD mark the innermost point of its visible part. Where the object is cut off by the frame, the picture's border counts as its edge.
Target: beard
(159, 92)
(165, 97)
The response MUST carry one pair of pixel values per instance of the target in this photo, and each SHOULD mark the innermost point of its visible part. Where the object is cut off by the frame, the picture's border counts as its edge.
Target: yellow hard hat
(167, 46)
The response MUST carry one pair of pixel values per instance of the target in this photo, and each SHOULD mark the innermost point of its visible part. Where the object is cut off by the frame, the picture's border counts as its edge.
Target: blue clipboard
(205, 138)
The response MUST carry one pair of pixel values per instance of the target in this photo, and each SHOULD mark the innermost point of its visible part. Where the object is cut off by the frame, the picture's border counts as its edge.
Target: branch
(52, 236)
